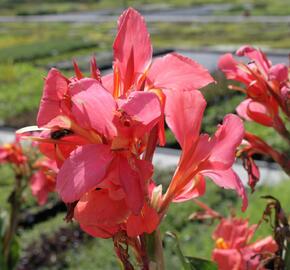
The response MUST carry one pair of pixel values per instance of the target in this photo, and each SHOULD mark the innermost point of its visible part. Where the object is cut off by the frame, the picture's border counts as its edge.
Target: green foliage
(190, 263)
(36, 50)
(199, 263)
(34, 7)
(214, 34)
(14, 246)
(20, 90)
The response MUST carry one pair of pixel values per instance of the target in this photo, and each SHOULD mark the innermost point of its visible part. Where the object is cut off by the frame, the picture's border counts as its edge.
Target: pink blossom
(201, 155)
(42, 180)
(233, 250)
(265, 85)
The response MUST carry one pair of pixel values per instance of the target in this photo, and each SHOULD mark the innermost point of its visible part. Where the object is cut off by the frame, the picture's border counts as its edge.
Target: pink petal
(183, 113)
(251, 253)
(227, 259)
(96, 208)
(82, 85)
(242, 109)
(256, 55)
(226, 140)
(146, 222)
(55, 87)
(177, 72)
(228, 179)
(132, 47)
(95, 108)
(3, 154)
(143, 107)
(278, 73)
(235, 232)
(259, 113)
(131, 174)
(229, 66)
(82, 171)
(108, 82)
(254, 111)
(193, 189)
(38, 187)
(267, 244)
(100, 231)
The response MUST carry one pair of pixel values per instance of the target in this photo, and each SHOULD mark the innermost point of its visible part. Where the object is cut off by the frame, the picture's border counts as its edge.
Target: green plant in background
(29, 169)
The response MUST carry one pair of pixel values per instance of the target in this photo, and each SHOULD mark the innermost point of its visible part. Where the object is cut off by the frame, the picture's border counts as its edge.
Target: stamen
(221, 244)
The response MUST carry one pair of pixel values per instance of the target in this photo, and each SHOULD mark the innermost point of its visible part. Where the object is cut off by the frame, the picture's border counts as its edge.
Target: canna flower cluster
(267, 89)
(233, 250)
(102, 132)
(38, 172)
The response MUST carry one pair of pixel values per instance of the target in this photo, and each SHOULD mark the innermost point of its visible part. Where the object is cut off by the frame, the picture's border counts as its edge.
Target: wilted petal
(228, 179)
(251, 253)
(132, 47)
(177, 72)
(82, 171)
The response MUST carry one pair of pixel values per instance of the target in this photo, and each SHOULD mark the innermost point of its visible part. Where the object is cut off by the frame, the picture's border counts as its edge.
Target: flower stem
(287, 256)
(281, 129)
(15, 201)
(155, 251)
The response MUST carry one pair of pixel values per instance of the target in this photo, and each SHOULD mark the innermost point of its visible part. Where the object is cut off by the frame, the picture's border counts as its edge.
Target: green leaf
(14, 252)
(190, 263)
(199, 263)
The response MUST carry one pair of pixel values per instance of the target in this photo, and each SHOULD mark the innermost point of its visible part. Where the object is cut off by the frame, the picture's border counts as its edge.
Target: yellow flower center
(221, 243)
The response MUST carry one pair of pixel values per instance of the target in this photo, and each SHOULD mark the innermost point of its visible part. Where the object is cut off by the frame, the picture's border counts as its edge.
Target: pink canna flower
(99, 130)
(102, 131)
(233, 250)
(42, 181)
(201, 156)
(266, 87)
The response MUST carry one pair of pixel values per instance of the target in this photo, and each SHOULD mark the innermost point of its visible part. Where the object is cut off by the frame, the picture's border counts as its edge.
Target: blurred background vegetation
(29, 49)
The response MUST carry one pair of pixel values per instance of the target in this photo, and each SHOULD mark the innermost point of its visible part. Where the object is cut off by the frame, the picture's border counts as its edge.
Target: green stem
(155, 250)
(287, 256)
(15, 201)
